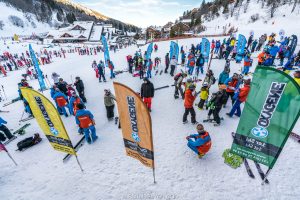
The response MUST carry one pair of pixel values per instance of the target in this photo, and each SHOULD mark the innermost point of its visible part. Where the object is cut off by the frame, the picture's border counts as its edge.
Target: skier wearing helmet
(204, 93)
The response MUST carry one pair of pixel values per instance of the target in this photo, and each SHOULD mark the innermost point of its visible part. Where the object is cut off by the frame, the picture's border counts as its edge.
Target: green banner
(270, 113)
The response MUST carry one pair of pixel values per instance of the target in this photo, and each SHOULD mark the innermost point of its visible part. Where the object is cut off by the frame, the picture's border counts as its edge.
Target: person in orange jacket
(261, 57)
(200, 143)
(241, 97)
(189, 98)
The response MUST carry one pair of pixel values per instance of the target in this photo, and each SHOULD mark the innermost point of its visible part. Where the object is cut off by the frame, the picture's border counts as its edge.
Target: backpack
(28, 142)
(176, 77)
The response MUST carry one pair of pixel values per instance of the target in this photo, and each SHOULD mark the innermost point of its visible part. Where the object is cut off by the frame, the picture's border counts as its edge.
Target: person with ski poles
(85, 121)
(199, 143)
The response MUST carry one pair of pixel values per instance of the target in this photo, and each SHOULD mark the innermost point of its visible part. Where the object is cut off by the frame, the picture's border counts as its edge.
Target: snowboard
(76, 147)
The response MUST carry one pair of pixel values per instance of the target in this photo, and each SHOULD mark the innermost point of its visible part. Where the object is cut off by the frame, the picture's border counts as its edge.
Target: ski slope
(109, 173)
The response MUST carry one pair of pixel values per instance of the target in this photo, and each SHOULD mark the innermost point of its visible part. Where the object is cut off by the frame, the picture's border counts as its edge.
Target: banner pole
(267, 174)
(11, 158)
(79, 163)
(153, 170)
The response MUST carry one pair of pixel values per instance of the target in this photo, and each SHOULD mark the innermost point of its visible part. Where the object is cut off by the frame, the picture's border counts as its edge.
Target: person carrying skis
(178, 83)
(101, 70)
(209, 78)
(173, 64)
(5, 130)
(199, 64)
(240, 97)
(80, 88)
(204, 93)
(74, 101)
(111, 67)
(85, 121)
(200, 143)
(147, 93)
(215, 104)
(189, 98)
(109, 103)
(62, 101)
(167, 62)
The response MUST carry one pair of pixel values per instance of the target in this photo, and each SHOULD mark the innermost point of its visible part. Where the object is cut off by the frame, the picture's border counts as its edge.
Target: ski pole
(4, 92)
(21, 117)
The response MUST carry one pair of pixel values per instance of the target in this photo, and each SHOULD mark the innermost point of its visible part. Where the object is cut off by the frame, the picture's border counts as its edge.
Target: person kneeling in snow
(85, 120)
(200, 143)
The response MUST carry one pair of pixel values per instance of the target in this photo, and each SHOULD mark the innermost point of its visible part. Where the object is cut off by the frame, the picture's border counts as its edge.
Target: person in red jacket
(241, 97)
(189, 99)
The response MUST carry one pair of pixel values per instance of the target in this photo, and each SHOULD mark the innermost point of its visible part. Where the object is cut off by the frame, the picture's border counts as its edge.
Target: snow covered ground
(109, 173)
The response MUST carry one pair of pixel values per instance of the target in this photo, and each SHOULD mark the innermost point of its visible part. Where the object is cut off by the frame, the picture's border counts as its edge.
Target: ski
(261, 173)
(10, 140)
(11, 102)
(76, 147)
(26, 119)
(163, 87)
(4, 111)
(20, 130)
(211, 120)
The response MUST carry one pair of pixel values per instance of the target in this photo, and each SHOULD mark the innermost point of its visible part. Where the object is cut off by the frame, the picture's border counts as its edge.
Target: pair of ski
(249, 170)
(26, 119)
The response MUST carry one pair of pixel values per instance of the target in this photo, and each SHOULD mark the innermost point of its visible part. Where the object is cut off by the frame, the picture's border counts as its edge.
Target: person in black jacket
(80, 88)
(62, 86)
(167, 62)
(147, 93)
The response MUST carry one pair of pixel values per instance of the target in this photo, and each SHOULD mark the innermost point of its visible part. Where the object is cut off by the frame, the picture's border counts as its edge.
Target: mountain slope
(51, 13)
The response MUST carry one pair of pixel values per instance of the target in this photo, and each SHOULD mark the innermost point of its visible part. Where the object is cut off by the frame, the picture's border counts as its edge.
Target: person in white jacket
(55, 78)
(173, 64)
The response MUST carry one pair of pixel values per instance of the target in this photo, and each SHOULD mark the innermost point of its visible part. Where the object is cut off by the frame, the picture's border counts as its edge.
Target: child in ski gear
(247, 64)
(80, 88)
(215, 104)
(147, 93)
(111, 67)
(178, 83)
(200, 143)
(101, 71)
(240, 97)
(5, 130)
(74, 101)
(189, 99)
(199, 64)
(62, 101)
(204, 93)
(223, 76)
(85, 120)
(109, 103)
(232, 84)
(167, 62)
(173, 64)
(209, 78)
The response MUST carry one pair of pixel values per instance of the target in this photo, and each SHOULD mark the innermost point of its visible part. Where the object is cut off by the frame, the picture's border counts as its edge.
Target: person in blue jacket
(200, 143)
(74, 101)
(274, 49)
(268, 61)
(5, 130)
(183, 55)
(149, 68)
(85, 121)
(223, 76)
(62, 101)
(52, 92)
(218, 45)
(199, 64)
(101, 70)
